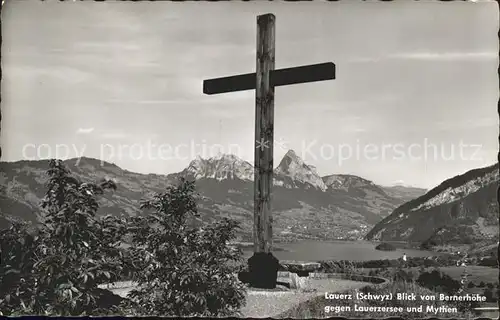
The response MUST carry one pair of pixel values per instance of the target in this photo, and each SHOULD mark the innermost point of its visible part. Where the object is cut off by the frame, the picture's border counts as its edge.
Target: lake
(311, 250)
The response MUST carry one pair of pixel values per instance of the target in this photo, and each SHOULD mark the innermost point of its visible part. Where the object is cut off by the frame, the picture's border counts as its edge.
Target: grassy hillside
(462, 209)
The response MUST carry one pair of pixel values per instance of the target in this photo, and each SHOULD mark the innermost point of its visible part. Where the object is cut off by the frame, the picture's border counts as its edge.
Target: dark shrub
(488, 293)
(17, 281)
(385, 247)
(402, 275)
(428, 244)
(438, 281)
(59, 266)
(488, 262)
(429, 263)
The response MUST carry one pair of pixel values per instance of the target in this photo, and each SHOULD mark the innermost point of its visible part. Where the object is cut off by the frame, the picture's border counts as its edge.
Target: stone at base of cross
(263, 270)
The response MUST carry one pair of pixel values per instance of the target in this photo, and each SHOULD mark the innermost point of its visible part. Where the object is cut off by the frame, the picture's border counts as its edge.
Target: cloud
(130, 136)
(352, 129)
(84, 130)
(447, 56)
(113, 45)
(68, 74)
(114, 135)
(431, 56)
(158, 101)
(400, 183)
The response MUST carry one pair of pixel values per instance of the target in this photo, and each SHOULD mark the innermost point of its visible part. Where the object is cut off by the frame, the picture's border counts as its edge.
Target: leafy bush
(80, 250)
(385, 247)
(17, 281)
(439, 282)
(489, 294)
(429, 244)
(182, 270)
(403, 275)
(488, 262)
(57, 269)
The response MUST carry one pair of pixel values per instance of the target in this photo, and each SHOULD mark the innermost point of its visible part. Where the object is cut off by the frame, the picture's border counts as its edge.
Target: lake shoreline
(324, 250)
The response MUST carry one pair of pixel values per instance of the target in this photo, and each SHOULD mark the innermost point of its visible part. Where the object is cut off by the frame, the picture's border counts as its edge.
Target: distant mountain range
(460, 210)
(305, 205)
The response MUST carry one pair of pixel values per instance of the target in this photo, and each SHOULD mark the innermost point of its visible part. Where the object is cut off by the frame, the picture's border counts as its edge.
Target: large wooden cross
(263, 81)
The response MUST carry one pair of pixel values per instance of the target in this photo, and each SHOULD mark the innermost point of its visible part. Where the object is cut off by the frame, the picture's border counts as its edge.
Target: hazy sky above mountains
(126, 77)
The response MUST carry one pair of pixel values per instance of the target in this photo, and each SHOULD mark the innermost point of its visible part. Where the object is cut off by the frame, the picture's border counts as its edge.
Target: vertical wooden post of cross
(264, 122)
(263, 266)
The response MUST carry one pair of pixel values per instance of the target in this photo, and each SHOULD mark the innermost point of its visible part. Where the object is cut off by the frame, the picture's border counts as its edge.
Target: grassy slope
(420, 225)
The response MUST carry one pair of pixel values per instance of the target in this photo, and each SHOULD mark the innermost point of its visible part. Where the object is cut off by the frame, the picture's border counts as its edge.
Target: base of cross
(262, 271)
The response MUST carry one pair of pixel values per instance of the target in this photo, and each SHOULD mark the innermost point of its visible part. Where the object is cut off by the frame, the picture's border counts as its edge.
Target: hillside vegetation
(461, 210)
(305, 205)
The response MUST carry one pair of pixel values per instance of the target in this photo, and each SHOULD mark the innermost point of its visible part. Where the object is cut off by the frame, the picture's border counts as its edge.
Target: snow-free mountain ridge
(305, 205)
(462, 209)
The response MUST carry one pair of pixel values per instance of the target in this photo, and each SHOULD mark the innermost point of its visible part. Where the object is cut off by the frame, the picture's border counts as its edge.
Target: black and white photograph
(258, 159)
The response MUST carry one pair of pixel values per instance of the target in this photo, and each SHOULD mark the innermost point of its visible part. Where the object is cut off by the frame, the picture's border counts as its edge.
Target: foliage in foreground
(55, 268)
(184, 270)
(17, 282)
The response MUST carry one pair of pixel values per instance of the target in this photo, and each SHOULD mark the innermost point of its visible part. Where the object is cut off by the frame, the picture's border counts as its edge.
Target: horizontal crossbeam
(280, 77)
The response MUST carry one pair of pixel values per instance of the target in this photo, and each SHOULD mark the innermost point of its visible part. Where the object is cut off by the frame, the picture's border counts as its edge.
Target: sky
(413, 102)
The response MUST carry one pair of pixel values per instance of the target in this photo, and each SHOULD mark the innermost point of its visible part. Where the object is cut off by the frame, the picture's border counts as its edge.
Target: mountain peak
(89, 162)
(290, 153)
(220, 167)
(293, 170)
(225, 157)
(291, 161)
(349, 182)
